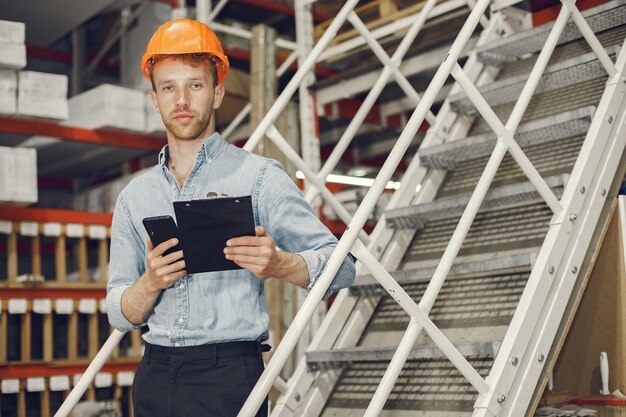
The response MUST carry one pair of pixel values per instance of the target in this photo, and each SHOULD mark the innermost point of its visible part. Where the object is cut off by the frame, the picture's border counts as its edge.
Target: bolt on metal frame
(490, 398)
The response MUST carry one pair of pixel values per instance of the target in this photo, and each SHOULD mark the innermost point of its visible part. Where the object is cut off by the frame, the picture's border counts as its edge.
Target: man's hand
(164, 271)
(258, 254)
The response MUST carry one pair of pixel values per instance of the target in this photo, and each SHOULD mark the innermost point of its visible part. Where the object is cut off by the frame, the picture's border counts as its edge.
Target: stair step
(550, 158)
(494, 233)
(570, 71)
(367, 285)
(448, 155)
(324, 360)
(418, 216)
(502, 51)
(431, 385)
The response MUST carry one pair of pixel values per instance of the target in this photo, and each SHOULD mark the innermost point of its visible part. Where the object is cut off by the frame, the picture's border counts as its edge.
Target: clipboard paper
(205, 225)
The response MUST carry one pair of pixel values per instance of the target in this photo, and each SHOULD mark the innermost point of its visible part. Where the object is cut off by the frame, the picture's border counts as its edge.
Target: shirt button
(178, 344)
(181, 320)
(181, 286)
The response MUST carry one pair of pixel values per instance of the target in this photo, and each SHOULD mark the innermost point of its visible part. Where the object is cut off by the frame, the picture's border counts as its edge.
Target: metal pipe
(302, 72)
(347, 136)
(246, 34)
(504, 135)
(89, 374)
(218, 8)
(293, 156)
(591, 38)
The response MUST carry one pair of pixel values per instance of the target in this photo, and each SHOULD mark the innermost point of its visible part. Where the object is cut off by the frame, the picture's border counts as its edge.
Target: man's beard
(188, 132)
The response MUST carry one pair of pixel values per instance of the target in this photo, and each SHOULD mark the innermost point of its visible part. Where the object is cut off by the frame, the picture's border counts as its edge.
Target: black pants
(197, 381)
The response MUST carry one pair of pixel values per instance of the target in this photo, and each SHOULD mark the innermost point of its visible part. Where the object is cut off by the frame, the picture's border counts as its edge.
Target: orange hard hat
(185, 36)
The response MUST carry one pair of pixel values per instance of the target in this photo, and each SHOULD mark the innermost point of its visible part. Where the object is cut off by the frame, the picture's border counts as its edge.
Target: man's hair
(194, 60)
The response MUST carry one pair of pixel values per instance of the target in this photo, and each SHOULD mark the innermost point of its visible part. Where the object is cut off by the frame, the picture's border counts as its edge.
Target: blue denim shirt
(215, 306)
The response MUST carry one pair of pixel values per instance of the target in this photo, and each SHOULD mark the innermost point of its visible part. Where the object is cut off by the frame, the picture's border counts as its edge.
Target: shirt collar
(210, 148)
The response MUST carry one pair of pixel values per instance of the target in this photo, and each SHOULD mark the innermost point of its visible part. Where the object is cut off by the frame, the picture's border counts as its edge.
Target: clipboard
(205, 225)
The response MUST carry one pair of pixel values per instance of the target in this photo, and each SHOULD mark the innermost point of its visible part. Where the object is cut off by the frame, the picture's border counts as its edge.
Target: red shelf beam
(23, 126)
(28, 370)
(45, 290)
(41, 215)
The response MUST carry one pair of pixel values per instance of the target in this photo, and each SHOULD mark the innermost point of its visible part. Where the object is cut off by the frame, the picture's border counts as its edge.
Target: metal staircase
(487, 283)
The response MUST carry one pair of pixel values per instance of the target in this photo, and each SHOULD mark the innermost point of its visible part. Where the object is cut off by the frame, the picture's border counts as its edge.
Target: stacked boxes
(42, 95)
(103, 197)
(108, 106)
(18, 175)
(12, 47)
(8, 91)
(12, 57)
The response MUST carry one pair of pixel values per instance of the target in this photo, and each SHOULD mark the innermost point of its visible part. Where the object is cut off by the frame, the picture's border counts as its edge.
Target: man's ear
(154, 101)
(219, 96)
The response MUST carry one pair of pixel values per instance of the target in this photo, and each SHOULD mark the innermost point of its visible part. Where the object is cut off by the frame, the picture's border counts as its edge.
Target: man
(202, 354)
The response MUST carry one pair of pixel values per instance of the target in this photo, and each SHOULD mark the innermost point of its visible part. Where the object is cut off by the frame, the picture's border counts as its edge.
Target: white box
(12, 32)
(154, 122)
(42, 84)
(12, 55)
(42, 95)
(18, 175)
(108, 106)
(8, 91)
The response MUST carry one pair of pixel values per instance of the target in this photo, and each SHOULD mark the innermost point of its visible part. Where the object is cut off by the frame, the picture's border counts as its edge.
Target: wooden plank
(93, 344)
(45, 403)
(72, 334)
(12, 256)
(83, 273)
(103, 260)
(116, 349)
(36, 255)
(48, 337)
(21, 400)
(3, 333)
(59, 259)
(136, 342)
(90, 394)
(26, 333)
(598, 325)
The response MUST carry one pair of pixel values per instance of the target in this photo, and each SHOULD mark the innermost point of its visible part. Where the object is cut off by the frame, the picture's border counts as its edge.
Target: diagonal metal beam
(506, 136)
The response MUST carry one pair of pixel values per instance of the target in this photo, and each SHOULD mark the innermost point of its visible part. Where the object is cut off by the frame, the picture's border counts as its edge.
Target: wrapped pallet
(12, 47)
(108, 106)
(41, 94)
(18, 175)
(8, 91)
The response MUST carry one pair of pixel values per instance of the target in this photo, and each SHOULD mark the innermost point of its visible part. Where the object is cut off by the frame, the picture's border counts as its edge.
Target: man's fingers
(247, 259)
(150, 245)
(170, 269)
(172, 257)
(260, 231)
(170, 243)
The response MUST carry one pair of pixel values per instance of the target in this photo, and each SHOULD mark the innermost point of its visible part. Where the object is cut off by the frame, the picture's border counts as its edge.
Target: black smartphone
(160, 229)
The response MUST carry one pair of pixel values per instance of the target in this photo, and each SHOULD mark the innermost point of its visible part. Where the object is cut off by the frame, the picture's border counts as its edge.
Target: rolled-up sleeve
(126, 264)
(291, 221)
